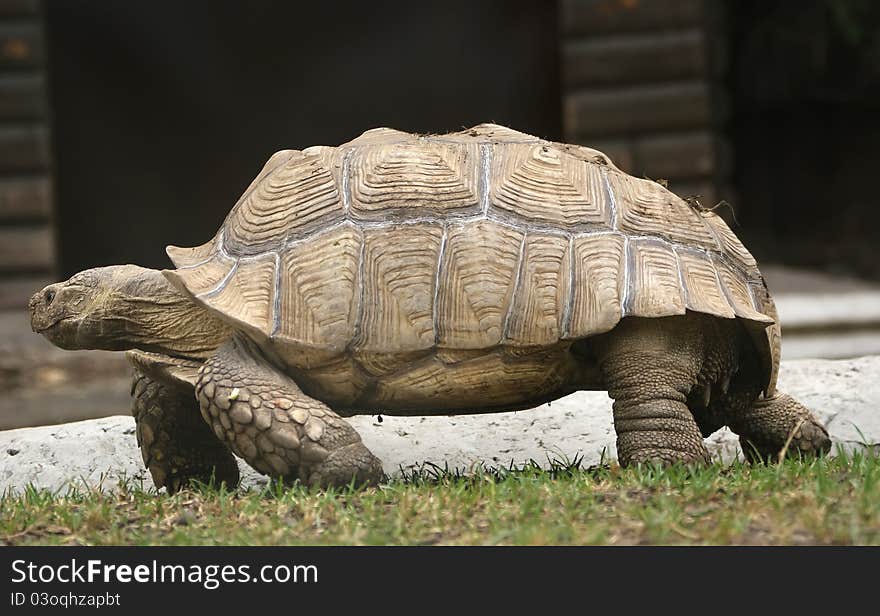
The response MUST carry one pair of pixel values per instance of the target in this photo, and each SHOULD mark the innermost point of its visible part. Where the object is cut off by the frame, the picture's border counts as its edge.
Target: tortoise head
(96, 308)
(123, 307)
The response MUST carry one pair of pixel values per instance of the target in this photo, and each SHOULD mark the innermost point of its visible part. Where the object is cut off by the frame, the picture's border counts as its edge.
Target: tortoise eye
(49, 296)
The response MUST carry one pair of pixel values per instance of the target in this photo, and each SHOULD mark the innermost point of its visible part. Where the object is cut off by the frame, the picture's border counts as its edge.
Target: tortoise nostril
(49, 296)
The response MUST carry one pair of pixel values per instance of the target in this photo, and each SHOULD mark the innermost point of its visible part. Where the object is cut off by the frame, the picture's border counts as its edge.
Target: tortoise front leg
(175, 443)
(280, 431)
(649, 366)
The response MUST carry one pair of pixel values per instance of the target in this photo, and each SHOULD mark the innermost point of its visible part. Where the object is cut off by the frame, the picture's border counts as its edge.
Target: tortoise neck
(137, 308)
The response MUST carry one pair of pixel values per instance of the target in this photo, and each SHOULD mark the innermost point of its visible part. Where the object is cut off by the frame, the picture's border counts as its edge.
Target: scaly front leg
(267, 420)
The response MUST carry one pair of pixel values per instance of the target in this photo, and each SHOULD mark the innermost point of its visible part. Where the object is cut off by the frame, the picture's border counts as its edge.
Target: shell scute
(296, 197)
(410, 180)
(319, 282)
(478, 274)
(541, 184)
(399, 278)
(645, 208)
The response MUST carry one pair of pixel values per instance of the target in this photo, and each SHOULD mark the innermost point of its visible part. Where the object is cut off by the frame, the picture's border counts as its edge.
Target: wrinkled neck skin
(124, 307)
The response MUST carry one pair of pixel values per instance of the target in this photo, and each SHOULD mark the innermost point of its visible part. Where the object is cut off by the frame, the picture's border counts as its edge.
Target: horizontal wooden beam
(24, 148)
(22, 97)
(634, 58)
(26, 249)
(19, 8)
(616, 16)
(680, 156)
(25, 198)
(671, 156)
(635, 110)
(21, 45)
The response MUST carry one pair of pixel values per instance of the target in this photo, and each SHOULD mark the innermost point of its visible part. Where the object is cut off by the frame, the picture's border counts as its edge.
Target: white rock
(96, 453)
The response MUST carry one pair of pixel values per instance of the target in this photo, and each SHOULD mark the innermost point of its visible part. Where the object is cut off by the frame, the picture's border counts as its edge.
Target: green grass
(827, 501)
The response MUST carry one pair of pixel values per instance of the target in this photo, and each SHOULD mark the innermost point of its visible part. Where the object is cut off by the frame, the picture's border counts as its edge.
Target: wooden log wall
(640, 82)
(27, 247)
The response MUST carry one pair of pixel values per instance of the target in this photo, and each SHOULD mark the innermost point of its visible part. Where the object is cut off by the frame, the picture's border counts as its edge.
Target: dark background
(165, 111)
(804, 87)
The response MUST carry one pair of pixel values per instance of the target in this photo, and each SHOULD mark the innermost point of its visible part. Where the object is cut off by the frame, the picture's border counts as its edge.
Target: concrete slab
(844, 394)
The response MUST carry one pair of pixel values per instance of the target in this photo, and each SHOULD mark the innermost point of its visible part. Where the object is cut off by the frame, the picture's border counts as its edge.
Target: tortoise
(473, 272)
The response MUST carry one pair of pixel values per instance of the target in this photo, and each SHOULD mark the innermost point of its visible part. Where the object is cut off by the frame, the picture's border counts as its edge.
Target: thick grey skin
(264, 417)
(673, 380)
(677, 379)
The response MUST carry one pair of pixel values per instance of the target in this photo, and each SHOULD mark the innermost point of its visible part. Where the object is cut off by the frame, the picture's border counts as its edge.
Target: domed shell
(396, 243)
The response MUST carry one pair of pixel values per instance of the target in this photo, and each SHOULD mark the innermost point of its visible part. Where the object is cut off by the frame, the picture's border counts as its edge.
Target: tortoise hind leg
(766, 426)
(650, 366)
(280, 431)
(769, 426)
(176, 444)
